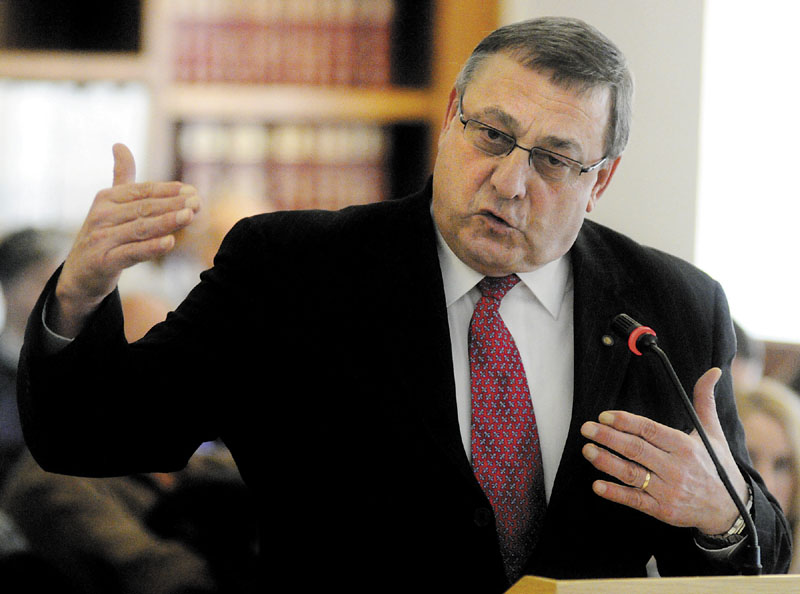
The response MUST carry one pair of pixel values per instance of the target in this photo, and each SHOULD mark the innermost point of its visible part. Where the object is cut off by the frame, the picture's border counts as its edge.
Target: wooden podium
(762, 584)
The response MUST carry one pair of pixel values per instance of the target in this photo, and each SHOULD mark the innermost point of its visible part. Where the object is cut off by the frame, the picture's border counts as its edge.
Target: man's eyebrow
(561, 144)
(551, 142)
(503, 117)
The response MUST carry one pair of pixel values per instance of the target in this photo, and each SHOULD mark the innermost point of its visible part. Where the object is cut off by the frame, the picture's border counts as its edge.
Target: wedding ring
(646, 481)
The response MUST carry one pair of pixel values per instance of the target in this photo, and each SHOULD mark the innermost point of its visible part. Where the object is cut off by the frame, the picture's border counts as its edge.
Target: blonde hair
(778, 401)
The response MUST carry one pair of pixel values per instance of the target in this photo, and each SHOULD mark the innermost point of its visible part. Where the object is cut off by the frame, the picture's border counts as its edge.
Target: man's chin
(492, 261)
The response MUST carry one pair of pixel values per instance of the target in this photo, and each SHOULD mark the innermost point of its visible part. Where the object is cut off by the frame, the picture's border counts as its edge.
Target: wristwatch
(734, 534)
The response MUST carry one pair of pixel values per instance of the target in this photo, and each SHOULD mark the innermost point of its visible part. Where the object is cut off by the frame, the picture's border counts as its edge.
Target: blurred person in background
(156, 533)
(770, 414)
(188, 532)
(27, 259)
(794, 382)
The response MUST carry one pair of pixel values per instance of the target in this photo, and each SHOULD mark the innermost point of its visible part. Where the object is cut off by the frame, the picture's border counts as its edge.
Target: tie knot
(496, 287)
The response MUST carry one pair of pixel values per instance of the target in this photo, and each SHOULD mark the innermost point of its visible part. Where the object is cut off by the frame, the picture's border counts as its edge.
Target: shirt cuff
(52, 342)
(722, 553)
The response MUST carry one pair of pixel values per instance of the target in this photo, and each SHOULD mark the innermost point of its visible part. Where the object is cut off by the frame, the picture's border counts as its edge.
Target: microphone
(638, 336)
(642, 338)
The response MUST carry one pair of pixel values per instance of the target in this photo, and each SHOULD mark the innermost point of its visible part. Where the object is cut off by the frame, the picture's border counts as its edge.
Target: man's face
(498, 214)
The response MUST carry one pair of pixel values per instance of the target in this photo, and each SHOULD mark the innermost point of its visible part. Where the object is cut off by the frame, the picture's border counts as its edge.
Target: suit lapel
(425, 352)
(601, 359)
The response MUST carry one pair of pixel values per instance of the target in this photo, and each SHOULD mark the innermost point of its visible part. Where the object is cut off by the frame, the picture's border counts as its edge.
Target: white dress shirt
(538, 314)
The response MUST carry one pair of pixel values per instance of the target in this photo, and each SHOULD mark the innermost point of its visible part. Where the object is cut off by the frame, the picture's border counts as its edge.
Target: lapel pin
(608, 340)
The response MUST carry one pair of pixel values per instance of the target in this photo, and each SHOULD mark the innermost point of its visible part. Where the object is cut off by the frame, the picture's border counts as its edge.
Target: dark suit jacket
(318, 349)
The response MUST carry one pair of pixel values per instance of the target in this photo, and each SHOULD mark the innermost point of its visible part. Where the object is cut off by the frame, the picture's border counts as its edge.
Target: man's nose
(511, 175)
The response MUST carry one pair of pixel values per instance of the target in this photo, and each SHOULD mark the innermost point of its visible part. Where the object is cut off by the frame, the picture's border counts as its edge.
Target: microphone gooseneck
(641, 338)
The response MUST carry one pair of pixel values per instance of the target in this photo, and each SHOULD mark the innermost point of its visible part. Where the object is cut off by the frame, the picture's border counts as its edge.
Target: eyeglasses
(551, 166)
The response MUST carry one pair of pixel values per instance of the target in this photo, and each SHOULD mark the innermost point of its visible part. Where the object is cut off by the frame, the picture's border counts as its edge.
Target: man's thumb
(124, 165)
(704, 402)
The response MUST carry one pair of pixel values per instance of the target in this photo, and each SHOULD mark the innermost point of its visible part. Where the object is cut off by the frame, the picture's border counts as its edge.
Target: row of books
(313, 42)
(286, 166)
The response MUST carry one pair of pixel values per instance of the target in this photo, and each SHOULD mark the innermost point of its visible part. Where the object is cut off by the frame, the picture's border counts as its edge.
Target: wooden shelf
(284, 102)
(73, 66)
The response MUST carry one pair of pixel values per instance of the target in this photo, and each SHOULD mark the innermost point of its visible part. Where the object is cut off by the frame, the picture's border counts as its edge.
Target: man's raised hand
(128, 223)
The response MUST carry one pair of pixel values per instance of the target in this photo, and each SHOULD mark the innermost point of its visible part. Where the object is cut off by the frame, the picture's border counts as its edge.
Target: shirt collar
(548, 283)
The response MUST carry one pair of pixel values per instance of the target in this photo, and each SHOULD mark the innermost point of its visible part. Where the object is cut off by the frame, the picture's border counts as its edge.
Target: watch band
(733, 535)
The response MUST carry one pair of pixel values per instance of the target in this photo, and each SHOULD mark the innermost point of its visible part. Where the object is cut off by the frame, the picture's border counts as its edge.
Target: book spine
(285, 166)
(308, 42)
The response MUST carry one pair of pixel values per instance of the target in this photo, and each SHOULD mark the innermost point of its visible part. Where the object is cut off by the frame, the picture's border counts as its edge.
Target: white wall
(653, 196)
(748, 208)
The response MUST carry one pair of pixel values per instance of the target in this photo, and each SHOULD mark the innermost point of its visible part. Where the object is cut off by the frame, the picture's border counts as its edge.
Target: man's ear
(604, 176)
(452, 110)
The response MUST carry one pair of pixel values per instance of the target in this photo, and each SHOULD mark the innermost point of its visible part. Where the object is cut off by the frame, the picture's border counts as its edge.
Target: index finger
(141, 190)
(661, 436)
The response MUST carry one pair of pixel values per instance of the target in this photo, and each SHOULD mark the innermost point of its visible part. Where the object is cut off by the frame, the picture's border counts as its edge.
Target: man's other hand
(665, 472)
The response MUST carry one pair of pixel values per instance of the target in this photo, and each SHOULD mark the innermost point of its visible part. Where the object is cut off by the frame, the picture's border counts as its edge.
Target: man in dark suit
(329, 351)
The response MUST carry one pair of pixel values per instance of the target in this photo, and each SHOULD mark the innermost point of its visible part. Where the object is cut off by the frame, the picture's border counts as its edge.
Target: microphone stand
(625, 325)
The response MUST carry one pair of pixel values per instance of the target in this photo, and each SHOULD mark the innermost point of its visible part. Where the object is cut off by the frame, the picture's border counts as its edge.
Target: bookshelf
(375, 72)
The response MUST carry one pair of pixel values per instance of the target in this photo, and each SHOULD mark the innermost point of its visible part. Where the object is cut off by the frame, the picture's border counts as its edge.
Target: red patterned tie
(506, 457)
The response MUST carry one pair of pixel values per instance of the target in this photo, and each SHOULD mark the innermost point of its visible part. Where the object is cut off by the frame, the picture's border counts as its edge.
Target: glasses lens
(551, 166)
(488, 139)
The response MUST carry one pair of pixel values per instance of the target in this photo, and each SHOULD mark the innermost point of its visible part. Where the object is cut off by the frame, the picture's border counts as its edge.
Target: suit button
(482, 517)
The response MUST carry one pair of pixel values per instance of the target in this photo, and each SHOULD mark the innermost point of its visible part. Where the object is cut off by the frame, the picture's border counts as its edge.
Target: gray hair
(575, 54)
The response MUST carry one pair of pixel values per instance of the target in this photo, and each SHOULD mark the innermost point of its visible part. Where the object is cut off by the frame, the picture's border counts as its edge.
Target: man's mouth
(495, 218)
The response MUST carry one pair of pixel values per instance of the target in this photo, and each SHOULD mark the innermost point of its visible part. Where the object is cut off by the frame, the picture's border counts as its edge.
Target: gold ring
(646, 481)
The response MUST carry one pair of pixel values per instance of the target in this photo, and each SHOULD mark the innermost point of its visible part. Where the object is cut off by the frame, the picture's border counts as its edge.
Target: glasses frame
(577, 165)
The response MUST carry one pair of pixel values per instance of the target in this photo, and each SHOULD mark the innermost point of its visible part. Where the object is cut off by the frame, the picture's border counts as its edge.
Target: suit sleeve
(771, 524)
(102, 407)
